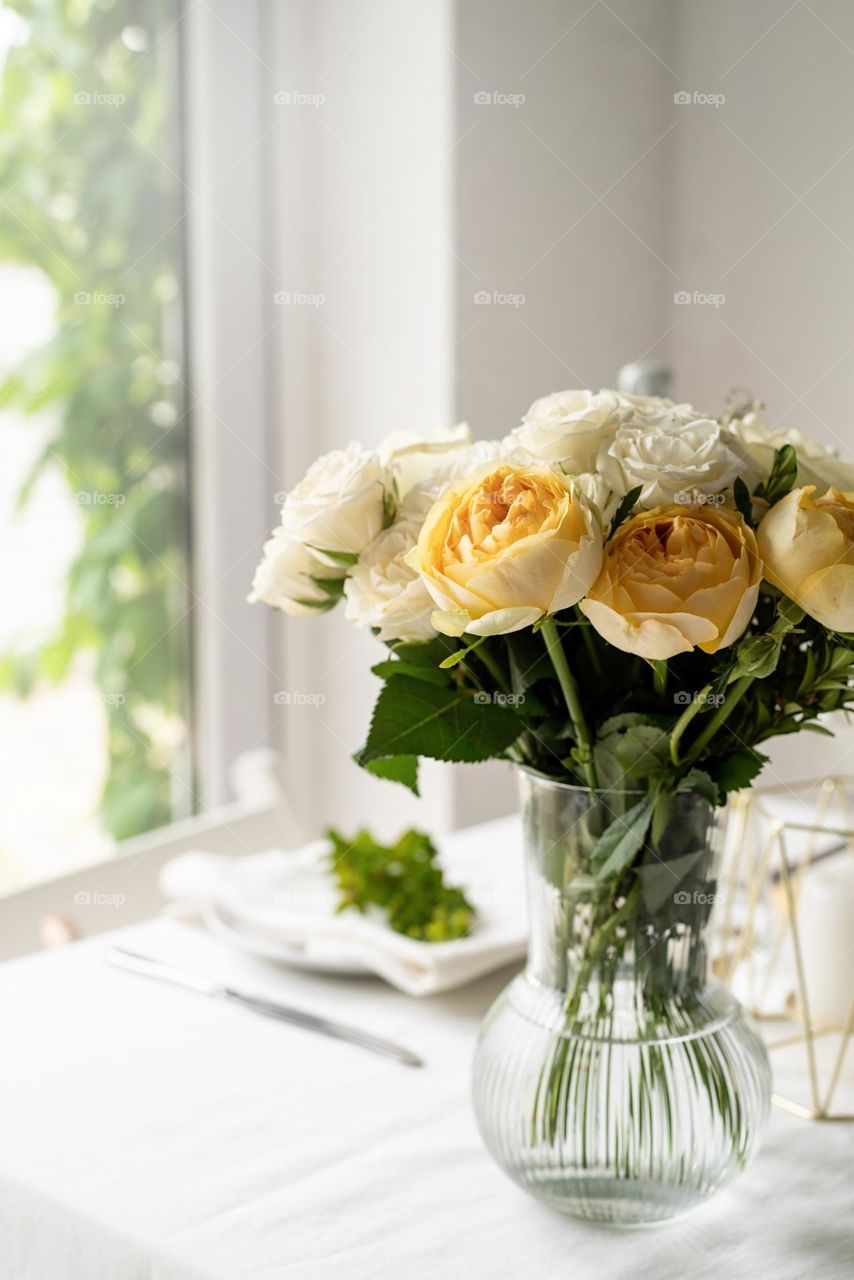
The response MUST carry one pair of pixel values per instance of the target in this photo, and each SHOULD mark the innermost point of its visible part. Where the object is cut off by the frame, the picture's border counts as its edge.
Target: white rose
(383, 591)
(410, 457)
(286, 578)
(673, 460)
(817, 464)
(568, 427)
(655, 409)
(339, 505)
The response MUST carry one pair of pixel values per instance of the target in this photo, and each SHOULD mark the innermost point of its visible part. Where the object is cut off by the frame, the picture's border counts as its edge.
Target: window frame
(230, 328)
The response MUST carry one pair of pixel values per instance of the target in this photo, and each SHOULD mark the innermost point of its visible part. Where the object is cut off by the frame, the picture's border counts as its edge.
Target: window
(95, 632)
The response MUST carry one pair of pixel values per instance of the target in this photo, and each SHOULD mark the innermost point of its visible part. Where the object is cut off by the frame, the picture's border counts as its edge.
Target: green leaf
(784, 473)
(644, 750)
(626, 720)
(662, 815)
(390, 670)
(412, 717)
(339, 559)
(738, 769)
(428, 653)
(741, 494)
(319, 606)
(699, 781)
(624, 510)
(403, 769)
(622, 840)
(661, 880)
(389, 508)
(635, 752)
(331, 587)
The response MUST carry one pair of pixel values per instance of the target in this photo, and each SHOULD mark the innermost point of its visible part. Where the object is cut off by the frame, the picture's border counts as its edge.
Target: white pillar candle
(826, 928)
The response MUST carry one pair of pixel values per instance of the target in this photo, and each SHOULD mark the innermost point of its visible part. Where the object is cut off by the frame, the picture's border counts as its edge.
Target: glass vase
(612, 1078)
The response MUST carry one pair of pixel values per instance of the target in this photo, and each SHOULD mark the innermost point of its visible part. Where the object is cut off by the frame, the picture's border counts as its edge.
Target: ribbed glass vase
(612, 1079)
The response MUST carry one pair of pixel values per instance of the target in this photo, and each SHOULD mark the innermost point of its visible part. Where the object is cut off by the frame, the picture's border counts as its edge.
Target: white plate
(246, 937)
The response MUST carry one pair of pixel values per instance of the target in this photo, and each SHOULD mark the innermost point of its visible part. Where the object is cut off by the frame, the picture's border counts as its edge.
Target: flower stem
(589, 643)
(571, 697)
(685, 719)
(704, 738)
(596, 945)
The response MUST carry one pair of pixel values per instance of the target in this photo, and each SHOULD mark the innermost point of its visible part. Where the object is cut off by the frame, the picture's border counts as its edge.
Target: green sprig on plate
(404, 881)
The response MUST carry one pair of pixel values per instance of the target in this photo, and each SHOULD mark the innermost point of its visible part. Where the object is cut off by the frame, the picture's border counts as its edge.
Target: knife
(133, 962)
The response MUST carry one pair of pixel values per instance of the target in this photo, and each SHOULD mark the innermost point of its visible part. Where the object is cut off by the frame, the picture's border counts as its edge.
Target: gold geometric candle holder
(759, 940)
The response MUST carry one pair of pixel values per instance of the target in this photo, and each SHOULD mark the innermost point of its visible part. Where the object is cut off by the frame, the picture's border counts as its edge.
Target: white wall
(764, 205)
(364, 218)
(562, 199)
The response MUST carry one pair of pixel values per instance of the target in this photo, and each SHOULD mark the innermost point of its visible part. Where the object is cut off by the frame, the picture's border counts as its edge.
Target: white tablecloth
(151, 1134)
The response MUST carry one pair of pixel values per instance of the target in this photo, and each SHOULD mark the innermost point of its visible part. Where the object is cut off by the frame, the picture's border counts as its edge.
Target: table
(151, 1134)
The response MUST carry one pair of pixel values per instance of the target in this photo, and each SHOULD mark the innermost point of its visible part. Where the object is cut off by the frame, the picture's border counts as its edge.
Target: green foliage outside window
(89, 132)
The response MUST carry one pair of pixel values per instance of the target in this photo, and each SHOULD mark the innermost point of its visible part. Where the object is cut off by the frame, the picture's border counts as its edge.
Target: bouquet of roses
(618, 589)
(619, 594)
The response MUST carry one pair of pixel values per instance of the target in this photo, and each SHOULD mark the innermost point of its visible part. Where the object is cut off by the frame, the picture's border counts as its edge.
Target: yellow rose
(674, 579)
(504, 547)
(808, 549)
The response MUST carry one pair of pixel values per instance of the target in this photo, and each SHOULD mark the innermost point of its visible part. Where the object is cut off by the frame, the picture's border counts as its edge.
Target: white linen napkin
(288, 898)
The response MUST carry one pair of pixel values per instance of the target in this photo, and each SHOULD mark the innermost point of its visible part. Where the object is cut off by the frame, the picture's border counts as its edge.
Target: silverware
(133, 962)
